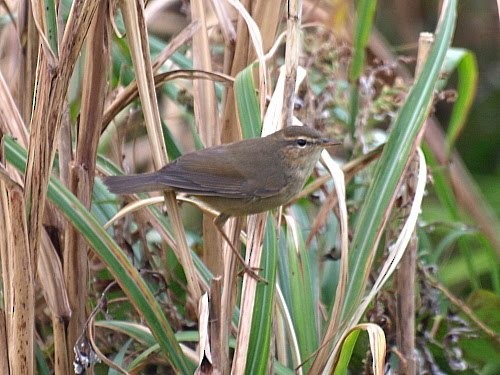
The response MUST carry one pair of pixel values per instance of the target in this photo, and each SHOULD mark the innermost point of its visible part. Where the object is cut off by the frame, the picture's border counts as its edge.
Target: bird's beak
(327, 142)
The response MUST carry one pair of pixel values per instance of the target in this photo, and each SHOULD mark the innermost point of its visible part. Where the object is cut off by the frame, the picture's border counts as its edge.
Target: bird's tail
(132, 184)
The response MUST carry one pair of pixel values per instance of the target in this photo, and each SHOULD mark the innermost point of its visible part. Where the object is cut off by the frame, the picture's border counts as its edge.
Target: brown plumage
(240, 178)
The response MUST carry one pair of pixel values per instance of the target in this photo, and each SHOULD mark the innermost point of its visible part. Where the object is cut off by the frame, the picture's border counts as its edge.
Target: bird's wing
(212, 173)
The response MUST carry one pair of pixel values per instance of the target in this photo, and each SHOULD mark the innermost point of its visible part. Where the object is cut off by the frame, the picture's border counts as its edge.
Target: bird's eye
(301, 142)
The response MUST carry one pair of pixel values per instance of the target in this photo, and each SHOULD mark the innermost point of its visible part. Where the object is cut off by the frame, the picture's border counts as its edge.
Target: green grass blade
(346, 352)
(396, 153)
(261, 331)
(51, 19)
(298, 287)
(468, 72)
(247, 103)
(365, 14)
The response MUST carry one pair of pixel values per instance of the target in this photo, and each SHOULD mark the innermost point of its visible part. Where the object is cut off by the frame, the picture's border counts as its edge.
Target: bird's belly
(241, 207)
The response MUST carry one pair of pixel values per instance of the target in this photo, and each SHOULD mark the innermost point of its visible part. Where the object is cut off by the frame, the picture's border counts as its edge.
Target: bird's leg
(219, 224)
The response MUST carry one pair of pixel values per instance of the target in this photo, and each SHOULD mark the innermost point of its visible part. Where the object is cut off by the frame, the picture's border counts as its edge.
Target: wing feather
(213, 173)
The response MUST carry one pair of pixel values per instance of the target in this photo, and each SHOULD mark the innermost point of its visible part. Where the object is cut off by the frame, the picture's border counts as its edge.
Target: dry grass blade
(215, 327)
(205, 100)
(228, 300)
(225, 21)
(264, 17)
(51, 277)
(207, 121)
(339, 183)
(4, 357)
(256, 226)
(131, 207)
(377, 346)
(76, 262)
(78, 24)
(5, 222)
(29, 50)
(18, 271)
(93, 93)
(133, 14)
(176, 42)
(5, 268)
(52, 87)
(204, 351)
(82, 171)
(291, 58)
(258, 45)
(23, 307)
(50, 273)
(10, 118)
(273, 119)
(130, 93)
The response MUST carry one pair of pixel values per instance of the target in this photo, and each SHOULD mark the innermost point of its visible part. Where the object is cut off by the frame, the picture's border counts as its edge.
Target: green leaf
(261, 330)
(346, 352)
(300, 294)
(466, 89)
(51, 26)
(119, 358)
(247, 103)
(365, 14)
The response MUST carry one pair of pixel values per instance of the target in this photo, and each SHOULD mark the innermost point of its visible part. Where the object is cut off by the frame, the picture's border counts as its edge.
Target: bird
(237, 179)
